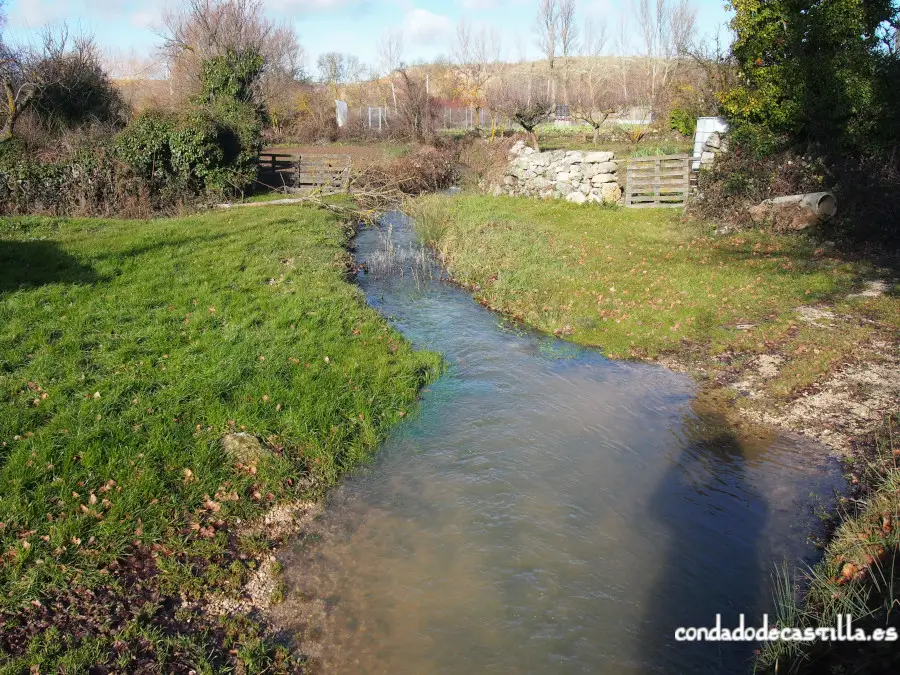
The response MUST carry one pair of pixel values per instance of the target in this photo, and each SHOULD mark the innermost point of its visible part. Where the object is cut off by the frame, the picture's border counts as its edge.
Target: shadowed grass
(128, 355)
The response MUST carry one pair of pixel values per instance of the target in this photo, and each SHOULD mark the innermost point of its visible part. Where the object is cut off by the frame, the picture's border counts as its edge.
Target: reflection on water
(546, 511)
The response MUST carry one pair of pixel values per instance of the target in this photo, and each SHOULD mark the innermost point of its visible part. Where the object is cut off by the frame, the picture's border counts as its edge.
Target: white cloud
(148, 18)
(302, 6)
(423, 27)
(36, 13)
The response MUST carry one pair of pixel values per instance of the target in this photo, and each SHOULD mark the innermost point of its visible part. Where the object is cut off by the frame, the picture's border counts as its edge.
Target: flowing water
(545, 510)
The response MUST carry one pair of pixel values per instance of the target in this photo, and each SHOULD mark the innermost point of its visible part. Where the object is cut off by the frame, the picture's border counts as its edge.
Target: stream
(545, 510)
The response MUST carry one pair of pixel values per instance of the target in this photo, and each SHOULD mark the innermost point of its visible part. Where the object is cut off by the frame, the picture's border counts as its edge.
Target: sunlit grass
(127, 349)
(640, 283)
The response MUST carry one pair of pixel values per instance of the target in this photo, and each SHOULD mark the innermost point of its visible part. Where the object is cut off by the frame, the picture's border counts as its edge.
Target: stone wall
(572, 175)
(713, 146)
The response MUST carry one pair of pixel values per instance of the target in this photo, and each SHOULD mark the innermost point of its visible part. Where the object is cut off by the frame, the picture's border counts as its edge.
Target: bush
(195, 152)
(426, 170)
(78, 90)
(91, 182)
(683, 121)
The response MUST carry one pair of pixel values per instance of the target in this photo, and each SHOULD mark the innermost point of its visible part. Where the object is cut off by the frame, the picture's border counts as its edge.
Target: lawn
(640, 283)
(127, 350)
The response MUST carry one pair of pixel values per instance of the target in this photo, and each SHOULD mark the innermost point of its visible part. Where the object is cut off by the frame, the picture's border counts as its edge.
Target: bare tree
(332, 70)
(667, 27)
(568, 39)
(593, 97)
(21, 83)
(204, 29)
(719, 73)
(414, 104)
(474, 54)
(568, 29)
(390, 51)
(547, 28)
(390, 57)
(523, 100)
(62, 81)
(19, 80)
(623, 47)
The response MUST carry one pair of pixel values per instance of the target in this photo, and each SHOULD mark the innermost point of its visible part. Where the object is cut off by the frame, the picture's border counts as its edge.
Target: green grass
(127, 349)
(640, 283)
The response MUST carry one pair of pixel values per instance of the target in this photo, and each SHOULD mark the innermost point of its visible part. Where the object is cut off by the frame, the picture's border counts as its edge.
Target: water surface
(545, 511)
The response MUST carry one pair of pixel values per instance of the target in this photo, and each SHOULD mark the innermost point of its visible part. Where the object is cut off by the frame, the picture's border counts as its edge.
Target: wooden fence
(658, 181)
(330, 173)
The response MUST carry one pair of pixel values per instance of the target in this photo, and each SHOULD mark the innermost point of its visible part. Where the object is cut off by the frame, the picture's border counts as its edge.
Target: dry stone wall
(575, 176)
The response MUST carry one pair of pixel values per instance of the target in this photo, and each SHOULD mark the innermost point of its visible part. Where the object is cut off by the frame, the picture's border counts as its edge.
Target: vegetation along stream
(545, 510)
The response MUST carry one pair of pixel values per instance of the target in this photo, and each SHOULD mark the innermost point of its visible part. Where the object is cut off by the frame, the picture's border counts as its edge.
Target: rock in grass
(576, 198)
(242, 447)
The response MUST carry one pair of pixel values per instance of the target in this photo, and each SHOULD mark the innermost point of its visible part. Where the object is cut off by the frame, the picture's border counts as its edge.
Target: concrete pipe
(823, 204)
(795, 212)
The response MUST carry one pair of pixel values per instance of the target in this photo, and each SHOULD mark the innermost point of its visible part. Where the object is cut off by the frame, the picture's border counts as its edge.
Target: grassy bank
(639, 283)
(127, 350)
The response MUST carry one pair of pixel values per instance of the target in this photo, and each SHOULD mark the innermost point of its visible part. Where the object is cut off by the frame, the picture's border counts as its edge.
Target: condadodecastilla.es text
(842, 632)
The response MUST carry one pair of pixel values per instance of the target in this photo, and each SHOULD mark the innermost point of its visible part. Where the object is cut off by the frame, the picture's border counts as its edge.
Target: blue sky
(352, 26)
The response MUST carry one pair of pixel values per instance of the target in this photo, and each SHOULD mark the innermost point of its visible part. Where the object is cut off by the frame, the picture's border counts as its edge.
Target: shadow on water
(710, 472)
(29, 264)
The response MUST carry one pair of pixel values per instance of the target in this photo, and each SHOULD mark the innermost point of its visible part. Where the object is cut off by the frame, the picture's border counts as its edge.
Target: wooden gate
(328, 173)
(658, 181)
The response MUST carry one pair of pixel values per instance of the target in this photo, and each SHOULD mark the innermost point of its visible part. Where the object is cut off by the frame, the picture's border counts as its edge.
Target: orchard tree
(593, 94)
(474, 55)
(523, 100)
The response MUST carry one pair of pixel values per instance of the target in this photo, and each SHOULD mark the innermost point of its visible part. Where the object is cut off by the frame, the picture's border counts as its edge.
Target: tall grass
(857, 576)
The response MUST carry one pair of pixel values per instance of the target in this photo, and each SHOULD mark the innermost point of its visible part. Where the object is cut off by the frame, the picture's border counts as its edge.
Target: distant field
(361, 153)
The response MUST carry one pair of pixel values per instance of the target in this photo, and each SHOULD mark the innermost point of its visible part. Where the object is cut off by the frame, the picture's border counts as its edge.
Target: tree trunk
(534, 140)
(12, 112)
(596, 134)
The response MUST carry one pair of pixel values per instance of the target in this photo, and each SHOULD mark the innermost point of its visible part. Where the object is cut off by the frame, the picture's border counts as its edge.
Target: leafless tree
(19, 79)
(332, 69)
(593, 97)
(414, 108)
(547, 27)
(568, 39)
(21, 83)
(523, 100)
(667, 27)
(390, 57)
(623, 47)
(203, 29)
(62, 78)
(390, 51)
(718, 71)
(474, 55)
(568, 29)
